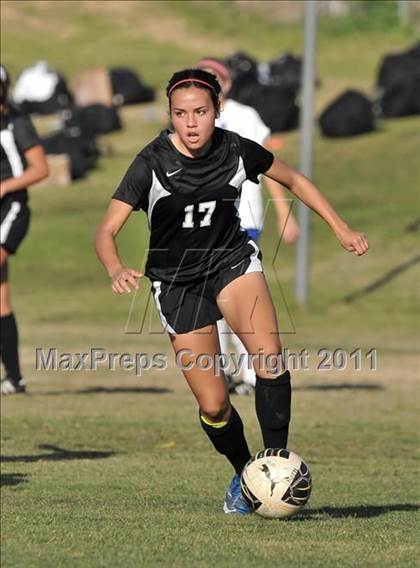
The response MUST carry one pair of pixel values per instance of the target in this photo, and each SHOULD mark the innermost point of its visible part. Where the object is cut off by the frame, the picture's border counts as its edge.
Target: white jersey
(245, 121)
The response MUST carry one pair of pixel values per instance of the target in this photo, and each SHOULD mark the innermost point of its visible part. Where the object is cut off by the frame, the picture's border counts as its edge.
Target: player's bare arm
(37, 170)
(288, 228)
(106, 248)
(308, 193)
(287, 225)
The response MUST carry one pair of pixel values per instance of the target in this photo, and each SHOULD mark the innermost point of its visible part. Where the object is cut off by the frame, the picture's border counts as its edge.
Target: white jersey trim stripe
(158, 291)
(9, 145)
(157, 191)
(255, 264)
(8, 221)
(240, 175)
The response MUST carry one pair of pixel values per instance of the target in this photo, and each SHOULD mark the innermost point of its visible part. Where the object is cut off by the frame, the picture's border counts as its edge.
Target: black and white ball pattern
(276, 483)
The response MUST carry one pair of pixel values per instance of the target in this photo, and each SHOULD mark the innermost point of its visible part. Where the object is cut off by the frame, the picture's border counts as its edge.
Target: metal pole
(404, 12)
(306, 131)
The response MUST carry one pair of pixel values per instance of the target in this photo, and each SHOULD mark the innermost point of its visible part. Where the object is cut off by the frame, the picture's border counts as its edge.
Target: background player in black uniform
(203, 265)
(23, 163)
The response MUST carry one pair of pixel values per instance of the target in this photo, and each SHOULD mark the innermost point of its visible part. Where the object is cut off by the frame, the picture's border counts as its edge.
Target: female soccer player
(23, 163)
(203, 266)
(246, 121)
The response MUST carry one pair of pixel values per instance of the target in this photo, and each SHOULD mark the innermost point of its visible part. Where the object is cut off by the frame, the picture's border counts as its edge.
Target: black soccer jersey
(191, 203)
(17, 136)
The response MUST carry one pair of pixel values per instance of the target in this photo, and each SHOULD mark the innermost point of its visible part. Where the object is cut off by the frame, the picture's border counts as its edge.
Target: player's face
(193, 115)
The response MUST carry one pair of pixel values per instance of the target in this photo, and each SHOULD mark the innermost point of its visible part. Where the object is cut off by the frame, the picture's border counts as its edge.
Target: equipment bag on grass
(348, 115)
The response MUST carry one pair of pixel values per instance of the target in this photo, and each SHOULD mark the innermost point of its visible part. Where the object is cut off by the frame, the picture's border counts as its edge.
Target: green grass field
(109, 469)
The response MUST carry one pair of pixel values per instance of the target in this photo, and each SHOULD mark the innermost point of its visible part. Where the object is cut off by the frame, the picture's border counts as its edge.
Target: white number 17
(206, 207)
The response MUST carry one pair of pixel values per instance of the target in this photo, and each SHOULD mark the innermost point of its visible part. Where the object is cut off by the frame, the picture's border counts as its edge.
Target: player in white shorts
(245, 121)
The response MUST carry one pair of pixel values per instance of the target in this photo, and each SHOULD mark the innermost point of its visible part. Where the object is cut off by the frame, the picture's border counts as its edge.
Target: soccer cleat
(244, 389)
(8, 386)
(234, 501)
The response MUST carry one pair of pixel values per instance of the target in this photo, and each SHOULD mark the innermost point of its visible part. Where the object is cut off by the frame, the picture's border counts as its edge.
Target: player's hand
(353, 241)
(290, 232)
(124, 278)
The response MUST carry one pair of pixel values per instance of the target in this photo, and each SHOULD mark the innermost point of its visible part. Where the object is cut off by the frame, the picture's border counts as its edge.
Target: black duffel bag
(242, 64)
(348, 115)
(277, 107)
(286, 71)
(75, 140)
(100, 119)
(82, 155)
(244, 74)
(398, 84)
(128, 87)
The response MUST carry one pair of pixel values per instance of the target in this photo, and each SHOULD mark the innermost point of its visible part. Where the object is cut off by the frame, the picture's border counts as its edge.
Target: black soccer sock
(229, 440)
(272, 403)
(9, 347)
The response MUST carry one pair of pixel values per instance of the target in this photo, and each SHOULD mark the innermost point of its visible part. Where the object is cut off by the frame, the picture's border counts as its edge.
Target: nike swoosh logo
(236, 265)
(170, 174)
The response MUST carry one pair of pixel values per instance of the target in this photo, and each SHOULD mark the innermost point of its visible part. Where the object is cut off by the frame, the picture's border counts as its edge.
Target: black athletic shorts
(15, 216)
(187, 307)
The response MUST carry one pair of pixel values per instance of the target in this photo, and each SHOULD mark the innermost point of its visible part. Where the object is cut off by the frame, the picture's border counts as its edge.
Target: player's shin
(228, 438)
(272, 403)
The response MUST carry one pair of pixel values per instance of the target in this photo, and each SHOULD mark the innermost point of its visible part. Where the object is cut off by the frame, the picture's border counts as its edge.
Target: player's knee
(215, 411)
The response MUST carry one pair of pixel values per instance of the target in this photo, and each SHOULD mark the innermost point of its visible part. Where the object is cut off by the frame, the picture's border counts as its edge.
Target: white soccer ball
(276, 483)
